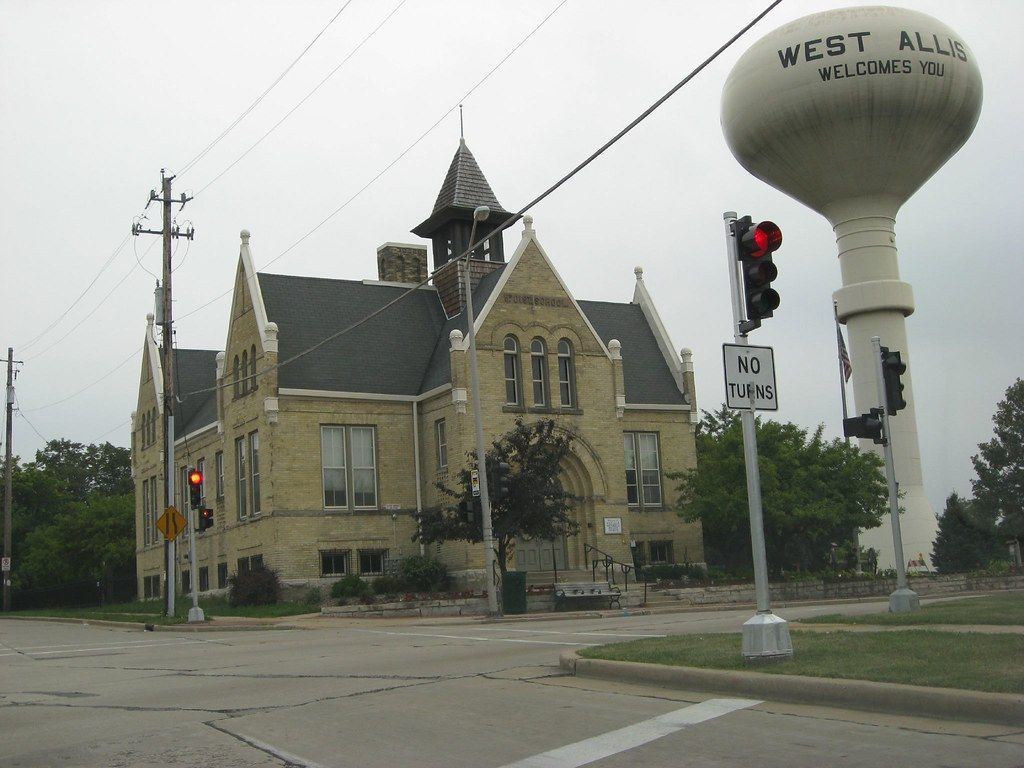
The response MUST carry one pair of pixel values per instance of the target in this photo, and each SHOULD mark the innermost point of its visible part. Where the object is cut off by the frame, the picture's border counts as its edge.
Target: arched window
(566, 374)
(245, 372)
(539, 372)
(144, 429)
(512, 388)
(252, 369)
(237, 383)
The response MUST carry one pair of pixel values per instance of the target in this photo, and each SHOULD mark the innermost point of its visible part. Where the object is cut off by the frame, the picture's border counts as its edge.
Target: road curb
(142, 626)
(890, 698)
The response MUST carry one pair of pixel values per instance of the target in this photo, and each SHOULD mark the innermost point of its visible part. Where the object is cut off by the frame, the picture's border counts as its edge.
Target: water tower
(850, 111)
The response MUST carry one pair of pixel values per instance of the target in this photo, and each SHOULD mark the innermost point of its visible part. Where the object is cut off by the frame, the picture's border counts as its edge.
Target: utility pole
(8, 560)
(166, 318)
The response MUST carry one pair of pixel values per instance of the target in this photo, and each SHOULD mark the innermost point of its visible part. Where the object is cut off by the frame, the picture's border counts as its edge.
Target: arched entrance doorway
(561, 554)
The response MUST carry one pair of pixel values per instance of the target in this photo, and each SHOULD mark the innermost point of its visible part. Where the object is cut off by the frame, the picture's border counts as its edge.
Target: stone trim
(335, 395)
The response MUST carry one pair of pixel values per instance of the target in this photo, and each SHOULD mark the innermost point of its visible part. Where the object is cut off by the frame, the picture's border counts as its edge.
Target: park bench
(587, 590)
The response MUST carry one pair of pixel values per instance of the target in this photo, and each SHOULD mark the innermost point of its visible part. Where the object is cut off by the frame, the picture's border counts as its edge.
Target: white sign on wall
(613, 525)
(750, 373)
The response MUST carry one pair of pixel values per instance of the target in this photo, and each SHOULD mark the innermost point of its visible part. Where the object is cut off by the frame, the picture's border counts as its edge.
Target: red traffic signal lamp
(205, 519)
(195, 488)
(755, 244)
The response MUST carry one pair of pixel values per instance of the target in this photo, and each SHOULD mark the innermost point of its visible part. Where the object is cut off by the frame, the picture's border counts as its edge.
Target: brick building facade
(318, 442)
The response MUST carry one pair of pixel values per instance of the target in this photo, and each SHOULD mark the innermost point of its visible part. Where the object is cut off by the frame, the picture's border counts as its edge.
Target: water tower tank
(850, 111)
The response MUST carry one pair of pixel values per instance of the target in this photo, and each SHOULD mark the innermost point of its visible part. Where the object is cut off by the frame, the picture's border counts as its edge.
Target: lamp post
(480, 214)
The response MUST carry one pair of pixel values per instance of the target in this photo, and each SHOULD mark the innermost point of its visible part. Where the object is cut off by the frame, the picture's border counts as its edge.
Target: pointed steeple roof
(465, 187)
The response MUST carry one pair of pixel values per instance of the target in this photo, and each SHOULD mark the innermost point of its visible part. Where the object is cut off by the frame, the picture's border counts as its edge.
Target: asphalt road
(420, 693)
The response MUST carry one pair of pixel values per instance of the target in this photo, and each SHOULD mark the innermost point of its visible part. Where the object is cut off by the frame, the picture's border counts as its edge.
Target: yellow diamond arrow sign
(171, 523)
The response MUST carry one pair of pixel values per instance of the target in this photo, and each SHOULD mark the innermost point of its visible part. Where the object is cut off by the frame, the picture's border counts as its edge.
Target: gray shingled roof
(194, 369)
(387, 355)
(647, 377)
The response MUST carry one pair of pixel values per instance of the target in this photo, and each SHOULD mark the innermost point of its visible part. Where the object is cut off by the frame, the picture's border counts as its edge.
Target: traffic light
(502, 481)
(469, 510)
(205, 519)
(195, 488)
(892, 368)
(866, 425)
(755, 244)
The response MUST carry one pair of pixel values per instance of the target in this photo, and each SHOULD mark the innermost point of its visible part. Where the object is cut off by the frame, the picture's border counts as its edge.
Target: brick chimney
(402, 263)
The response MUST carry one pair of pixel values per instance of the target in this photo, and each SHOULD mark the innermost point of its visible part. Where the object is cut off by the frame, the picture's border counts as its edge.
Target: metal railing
(597, 557)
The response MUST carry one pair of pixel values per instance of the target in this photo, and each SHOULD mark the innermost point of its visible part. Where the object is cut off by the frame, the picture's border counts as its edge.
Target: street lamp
(480, 214)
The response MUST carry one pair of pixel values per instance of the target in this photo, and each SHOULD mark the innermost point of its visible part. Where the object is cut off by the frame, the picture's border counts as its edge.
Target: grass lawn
(915, 657)
(151, 611)
(1003, 608)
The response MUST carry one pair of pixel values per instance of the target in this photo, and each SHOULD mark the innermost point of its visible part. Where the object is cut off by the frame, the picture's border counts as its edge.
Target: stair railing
(596, 557)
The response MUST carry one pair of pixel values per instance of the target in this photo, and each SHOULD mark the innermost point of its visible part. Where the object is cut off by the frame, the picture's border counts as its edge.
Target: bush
(349, 586)
(387, 585)
(314, 596)
(673, 572)
(423, 574)
(257, 586)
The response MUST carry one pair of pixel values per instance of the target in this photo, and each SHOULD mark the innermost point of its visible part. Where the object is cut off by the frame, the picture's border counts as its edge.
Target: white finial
(272, 329)
(686, 357)
(150, 318)
(527, 224)
(455, 337)
(615, 347)
(244, 234)
(639, 272)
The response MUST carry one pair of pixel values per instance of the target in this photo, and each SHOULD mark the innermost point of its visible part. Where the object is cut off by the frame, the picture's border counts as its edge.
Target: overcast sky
(96, 98)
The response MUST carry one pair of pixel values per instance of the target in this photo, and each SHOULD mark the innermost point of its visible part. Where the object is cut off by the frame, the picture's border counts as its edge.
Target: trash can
(513, 592)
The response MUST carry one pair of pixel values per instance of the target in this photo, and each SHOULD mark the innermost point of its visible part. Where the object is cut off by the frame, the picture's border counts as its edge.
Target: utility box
(513, 592)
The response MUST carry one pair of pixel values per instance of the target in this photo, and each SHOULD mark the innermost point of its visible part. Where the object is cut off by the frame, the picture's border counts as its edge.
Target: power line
(397, 158)
(88, 386)
(515, 216)
(263, 95)
(74, 303)
(303, 100)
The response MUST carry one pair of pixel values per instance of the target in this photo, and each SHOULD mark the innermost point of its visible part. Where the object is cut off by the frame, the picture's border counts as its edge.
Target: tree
(999, 465)
(96, 468)
(966, 539)
(814, 492)
(536, 505)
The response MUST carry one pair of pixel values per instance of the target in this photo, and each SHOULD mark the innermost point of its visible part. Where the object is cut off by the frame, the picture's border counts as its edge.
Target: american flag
(844, 356)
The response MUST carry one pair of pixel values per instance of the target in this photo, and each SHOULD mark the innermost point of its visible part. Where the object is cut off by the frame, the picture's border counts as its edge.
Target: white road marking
(614, 742)
(103, 648)
(468, 637)
(89, 645)
(608, 633)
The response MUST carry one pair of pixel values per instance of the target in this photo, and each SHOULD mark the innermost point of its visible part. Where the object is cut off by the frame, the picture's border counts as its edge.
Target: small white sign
(392, 507)
(5, 564)
(750, 375)
(474, 476)
(613, 525)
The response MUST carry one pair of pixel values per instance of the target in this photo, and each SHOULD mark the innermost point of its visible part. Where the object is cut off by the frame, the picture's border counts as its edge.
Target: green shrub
(673, 572)
(349, 586)
(386, 585)
(423, 574)
(257, 586)
(314, 596)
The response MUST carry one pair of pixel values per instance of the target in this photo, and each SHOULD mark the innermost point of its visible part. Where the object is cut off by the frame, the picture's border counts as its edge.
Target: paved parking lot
(418, 692)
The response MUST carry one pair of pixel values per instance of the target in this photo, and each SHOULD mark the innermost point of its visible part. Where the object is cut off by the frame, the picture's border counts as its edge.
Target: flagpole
(842, 392)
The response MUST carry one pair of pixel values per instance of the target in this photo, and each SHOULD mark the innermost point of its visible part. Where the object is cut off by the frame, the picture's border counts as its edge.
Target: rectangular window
(241, 479)
(333, 563)
(349, 460)
(204, 578)
(186, 582)
(151, 586)
(147, 532)
(254, 464)
(661, 552)
(243, 565)
(154, 490)
(222, 575)
(183, 494)
(364, 468)
(332, 450)
(643, 469)
(256, 561)
(442, 445)
(371, 561)
(219, 462)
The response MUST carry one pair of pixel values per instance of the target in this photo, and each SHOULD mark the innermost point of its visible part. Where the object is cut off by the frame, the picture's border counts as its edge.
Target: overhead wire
(518, 214)
(88, 386)
(263, 95)
(396, 159)
(302, 100)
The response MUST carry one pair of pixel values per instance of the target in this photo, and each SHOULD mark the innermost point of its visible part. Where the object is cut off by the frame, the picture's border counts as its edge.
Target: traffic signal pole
(195, 613)
(903, 599)
(765, 635)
